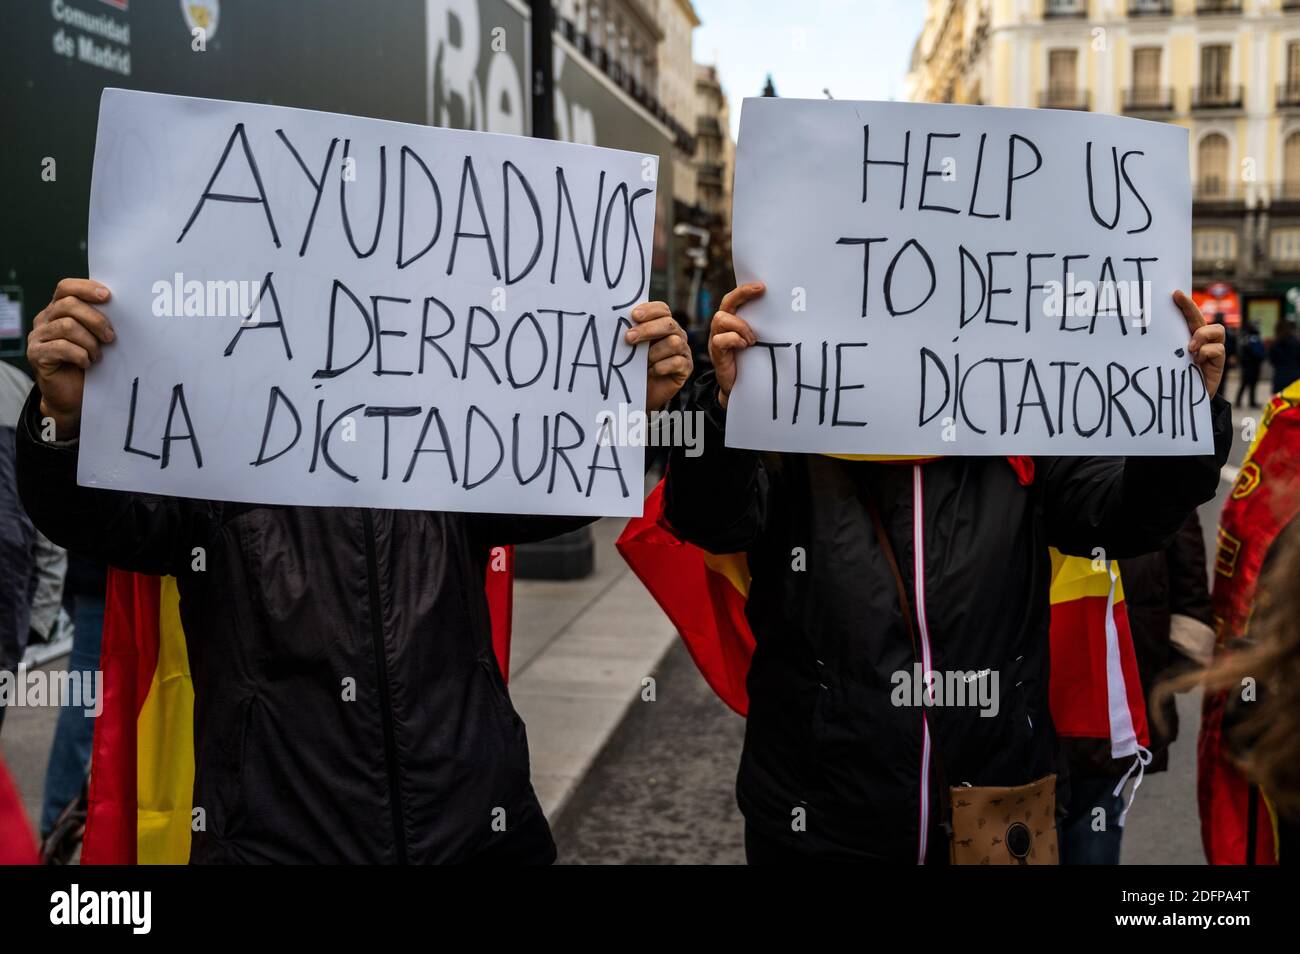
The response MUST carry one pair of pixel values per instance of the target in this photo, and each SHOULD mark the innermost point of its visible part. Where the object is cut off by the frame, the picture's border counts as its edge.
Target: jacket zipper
(385, 697)
(918, 584)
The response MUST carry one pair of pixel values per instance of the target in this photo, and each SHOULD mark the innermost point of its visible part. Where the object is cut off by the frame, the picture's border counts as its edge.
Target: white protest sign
(963, 280)
(326, 310)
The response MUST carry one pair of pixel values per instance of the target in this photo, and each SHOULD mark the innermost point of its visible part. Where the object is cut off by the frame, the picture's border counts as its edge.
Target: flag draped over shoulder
(142, 766)
(17, 844)
(1236, 823)
(1094, 689)
(702, 594)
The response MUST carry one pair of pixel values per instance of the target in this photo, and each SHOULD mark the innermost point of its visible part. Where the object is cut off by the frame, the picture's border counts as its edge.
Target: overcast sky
(858, 49)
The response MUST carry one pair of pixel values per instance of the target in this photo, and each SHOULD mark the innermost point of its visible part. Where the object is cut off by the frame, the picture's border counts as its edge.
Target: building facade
(645, 47)
(708, 275)
(715, 153)
(677, 20)
(639, 45)
(1226, 70)
(623, 34)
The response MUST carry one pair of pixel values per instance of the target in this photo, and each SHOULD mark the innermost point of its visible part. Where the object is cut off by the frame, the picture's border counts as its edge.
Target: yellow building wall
(1017, 41)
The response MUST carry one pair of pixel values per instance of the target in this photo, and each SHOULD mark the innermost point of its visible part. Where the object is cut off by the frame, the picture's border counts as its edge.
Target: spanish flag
(1094, 688)
(142, 766)
(1237, 824)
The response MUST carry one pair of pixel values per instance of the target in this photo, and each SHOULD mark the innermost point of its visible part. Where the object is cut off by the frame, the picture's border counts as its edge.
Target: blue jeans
(74, 733)
(1080, 843)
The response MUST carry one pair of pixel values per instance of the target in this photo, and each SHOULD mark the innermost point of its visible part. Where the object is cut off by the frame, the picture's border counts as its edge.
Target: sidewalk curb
(574, 694)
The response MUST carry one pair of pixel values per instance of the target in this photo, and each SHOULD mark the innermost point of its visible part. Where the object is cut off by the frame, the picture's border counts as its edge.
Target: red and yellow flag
(142, 768)
(142, 765)
(1094, 664)
(1237, 826)
(1095, 690)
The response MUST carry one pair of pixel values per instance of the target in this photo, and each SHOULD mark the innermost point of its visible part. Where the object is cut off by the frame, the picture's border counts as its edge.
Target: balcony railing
(1152, 8)
(1065, 8)
(708, 126)
(1148, 99)
(1210, 7)
(1216, 190)
(710, 173)
(1216, 97)
(1214, 267)
(643, 93)
(1286, 192)
(1063, 99)
(1288, 94)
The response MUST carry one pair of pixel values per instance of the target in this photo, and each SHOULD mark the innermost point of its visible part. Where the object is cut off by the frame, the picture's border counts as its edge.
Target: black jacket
(823, 734)
(17, 561)
(295, 607)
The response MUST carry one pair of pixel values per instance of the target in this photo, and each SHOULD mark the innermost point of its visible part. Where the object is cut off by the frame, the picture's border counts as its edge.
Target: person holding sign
(864, 571)
(348, 706)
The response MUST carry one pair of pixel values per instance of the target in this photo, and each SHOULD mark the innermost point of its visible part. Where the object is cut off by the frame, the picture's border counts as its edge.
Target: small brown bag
(991, 824)
(995, 825)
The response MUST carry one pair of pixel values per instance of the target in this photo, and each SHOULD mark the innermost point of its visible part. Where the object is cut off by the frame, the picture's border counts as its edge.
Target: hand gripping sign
(963, 280)
(328, 310)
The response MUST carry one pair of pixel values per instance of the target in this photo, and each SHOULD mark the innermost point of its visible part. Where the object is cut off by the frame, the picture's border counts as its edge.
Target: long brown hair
(1267, 738)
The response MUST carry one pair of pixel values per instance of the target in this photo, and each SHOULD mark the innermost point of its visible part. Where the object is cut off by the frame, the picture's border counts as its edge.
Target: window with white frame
(1284, 245)
(1216, 70)
(1214, 245)
(1146, 72)
(1212, 166)
(1291, 166)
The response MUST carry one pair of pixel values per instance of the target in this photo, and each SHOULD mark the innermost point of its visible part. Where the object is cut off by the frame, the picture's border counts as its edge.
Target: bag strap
(904, 603)
(945, 803)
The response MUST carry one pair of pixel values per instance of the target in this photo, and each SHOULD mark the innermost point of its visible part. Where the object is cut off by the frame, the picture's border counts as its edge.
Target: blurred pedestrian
(1284, 355)
(17, 544)
(1251, 355)
(31, 567)
(48, 619)
(63, 814)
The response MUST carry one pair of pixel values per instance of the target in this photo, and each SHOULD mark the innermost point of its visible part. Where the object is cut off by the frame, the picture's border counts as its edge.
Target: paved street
(662, 791)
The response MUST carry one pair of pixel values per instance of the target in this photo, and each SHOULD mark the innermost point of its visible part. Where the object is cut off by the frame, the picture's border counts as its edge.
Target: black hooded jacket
(826, 746)
(348, 707)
